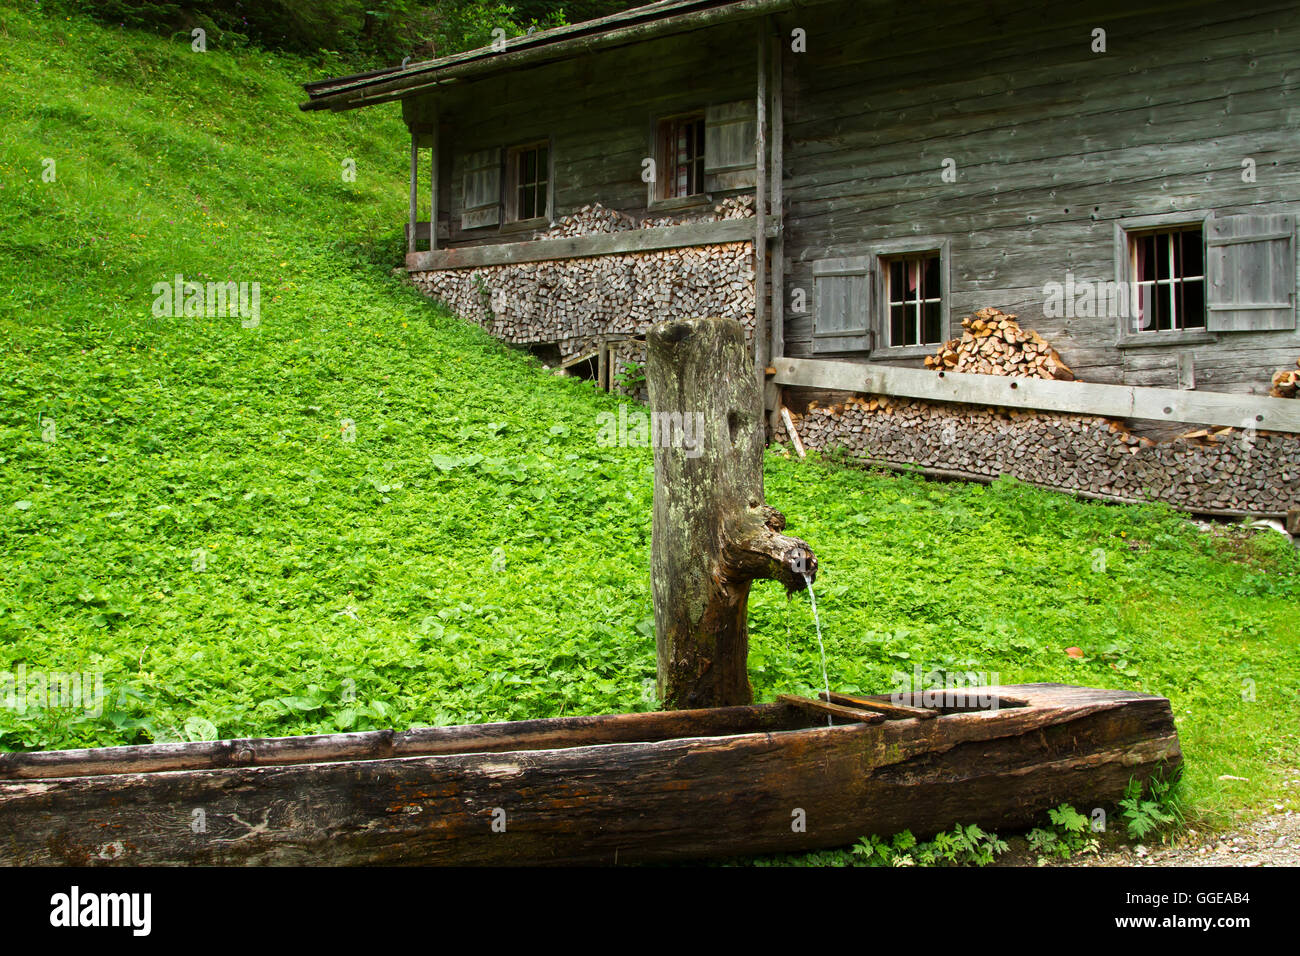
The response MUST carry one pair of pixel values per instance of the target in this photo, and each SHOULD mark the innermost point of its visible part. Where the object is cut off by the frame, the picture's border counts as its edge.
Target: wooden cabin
(852, 179)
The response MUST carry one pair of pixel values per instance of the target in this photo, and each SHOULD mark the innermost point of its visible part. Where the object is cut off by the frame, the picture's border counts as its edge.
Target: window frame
(1125, 230)
(661, 135)
(882, 253)
(510, 179)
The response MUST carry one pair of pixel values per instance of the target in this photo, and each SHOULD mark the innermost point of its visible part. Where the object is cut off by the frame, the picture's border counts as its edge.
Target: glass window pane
(1193, 252)
(1145, 320)
(931, 290)
(897, 290)
(1145, 248)
(897, 332)
(1193, 304)
(932, 330)
(1162, 317)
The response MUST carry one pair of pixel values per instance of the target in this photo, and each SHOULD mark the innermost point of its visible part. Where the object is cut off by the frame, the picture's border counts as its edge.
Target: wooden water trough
(626, 788)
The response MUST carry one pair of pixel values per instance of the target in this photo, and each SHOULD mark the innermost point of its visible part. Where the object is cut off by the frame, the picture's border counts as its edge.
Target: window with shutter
(481, 197)
(841, 307)
(1250, 267)
(914, 297)
(730, 158)
(1167, 272)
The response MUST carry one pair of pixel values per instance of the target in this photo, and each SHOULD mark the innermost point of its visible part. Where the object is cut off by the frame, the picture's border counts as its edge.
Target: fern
(1156, 807)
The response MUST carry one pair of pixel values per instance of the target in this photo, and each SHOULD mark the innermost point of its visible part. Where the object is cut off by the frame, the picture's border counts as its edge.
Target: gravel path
(1272, 840)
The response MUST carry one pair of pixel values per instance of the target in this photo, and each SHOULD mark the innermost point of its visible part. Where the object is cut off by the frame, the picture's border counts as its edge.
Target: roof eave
(535, 50)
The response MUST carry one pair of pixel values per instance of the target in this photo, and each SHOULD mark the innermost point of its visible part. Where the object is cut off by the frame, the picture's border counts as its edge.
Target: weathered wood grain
(673, 799)
(714, 533)
(1118, 401)
(546, 250)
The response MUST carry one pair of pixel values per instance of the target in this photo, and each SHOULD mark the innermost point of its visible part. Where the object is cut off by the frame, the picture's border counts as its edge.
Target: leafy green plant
(961, 846)
(1067, 834)
(1151, 809)
(875, 851)
(630, 377)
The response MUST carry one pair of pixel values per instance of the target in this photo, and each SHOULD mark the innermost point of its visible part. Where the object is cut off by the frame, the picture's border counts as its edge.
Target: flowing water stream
(820, 646)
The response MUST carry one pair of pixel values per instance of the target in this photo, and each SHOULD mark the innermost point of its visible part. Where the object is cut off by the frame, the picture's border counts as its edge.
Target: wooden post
(433, 186)
(415, 189)
(773, 396)
(713, 531)
(777, 314)
(760, 216)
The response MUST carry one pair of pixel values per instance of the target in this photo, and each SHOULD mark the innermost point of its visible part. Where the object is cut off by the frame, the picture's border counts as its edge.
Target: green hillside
(199, 526)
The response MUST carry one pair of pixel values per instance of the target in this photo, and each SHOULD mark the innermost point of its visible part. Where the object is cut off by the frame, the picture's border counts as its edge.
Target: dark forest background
(363, 34)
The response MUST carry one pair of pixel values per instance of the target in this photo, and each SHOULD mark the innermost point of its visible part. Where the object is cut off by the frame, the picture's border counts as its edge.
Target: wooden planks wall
(1052, 144)
(598, 111)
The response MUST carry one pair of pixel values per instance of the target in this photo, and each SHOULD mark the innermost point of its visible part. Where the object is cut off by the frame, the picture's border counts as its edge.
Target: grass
(201, 534)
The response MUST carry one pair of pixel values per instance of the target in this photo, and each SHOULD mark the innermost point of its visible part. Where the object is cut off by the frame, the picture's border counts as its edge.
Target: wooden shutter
(730, 159)
(1250, 273)
(842, 313)
(481, 198)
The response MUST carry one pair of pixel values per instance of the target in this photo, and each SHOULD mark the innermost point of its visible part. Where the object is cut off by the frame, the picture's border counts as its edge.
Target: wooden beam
(544, 250)
(777, 312)
(1083, 398)
(794, 434)
(433, 186)
(760, 214)
(415, 196)
(824, 708)
(579, 359)
(889, 710)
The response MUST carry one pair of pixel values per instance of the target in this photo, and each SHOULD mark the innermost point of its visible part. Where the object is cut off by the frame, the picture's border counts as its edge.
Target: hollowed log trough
(625, 788)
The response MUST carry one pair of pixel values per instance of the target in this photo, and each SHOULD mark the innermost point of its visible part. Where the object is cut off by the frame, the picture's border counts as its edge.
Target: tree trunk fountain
(714, 533)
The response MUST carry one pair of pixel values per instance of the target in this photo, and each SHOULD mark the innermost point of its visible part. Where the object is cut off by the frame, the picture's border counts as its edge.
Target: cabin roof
(545, 46)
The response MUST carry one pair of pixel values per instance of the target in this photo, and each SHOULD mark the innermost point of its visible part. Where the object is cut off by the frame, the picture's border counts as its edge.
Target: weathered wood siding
(599, 113)
(1052, 142)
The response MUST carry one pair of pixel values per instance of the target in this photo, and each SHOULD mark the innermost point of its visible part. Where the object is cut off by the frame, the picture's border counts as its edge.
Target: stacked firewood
(1286, 383)
(1211, 469)
(574, 302)
(993, 343)
(590, 220)
(596, 219)
(737, 207)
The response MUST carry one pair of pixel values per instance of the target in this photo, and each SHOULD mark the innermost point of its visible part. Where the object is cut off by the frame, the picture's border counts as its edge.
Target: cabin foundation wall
(1234, 472)
(580, 304)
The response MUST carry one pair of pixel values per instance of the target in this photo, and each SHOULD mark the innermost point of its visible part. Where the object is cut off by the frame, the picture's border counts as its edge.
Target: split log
(1286, 382)
(993, 343)
(714, 533)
